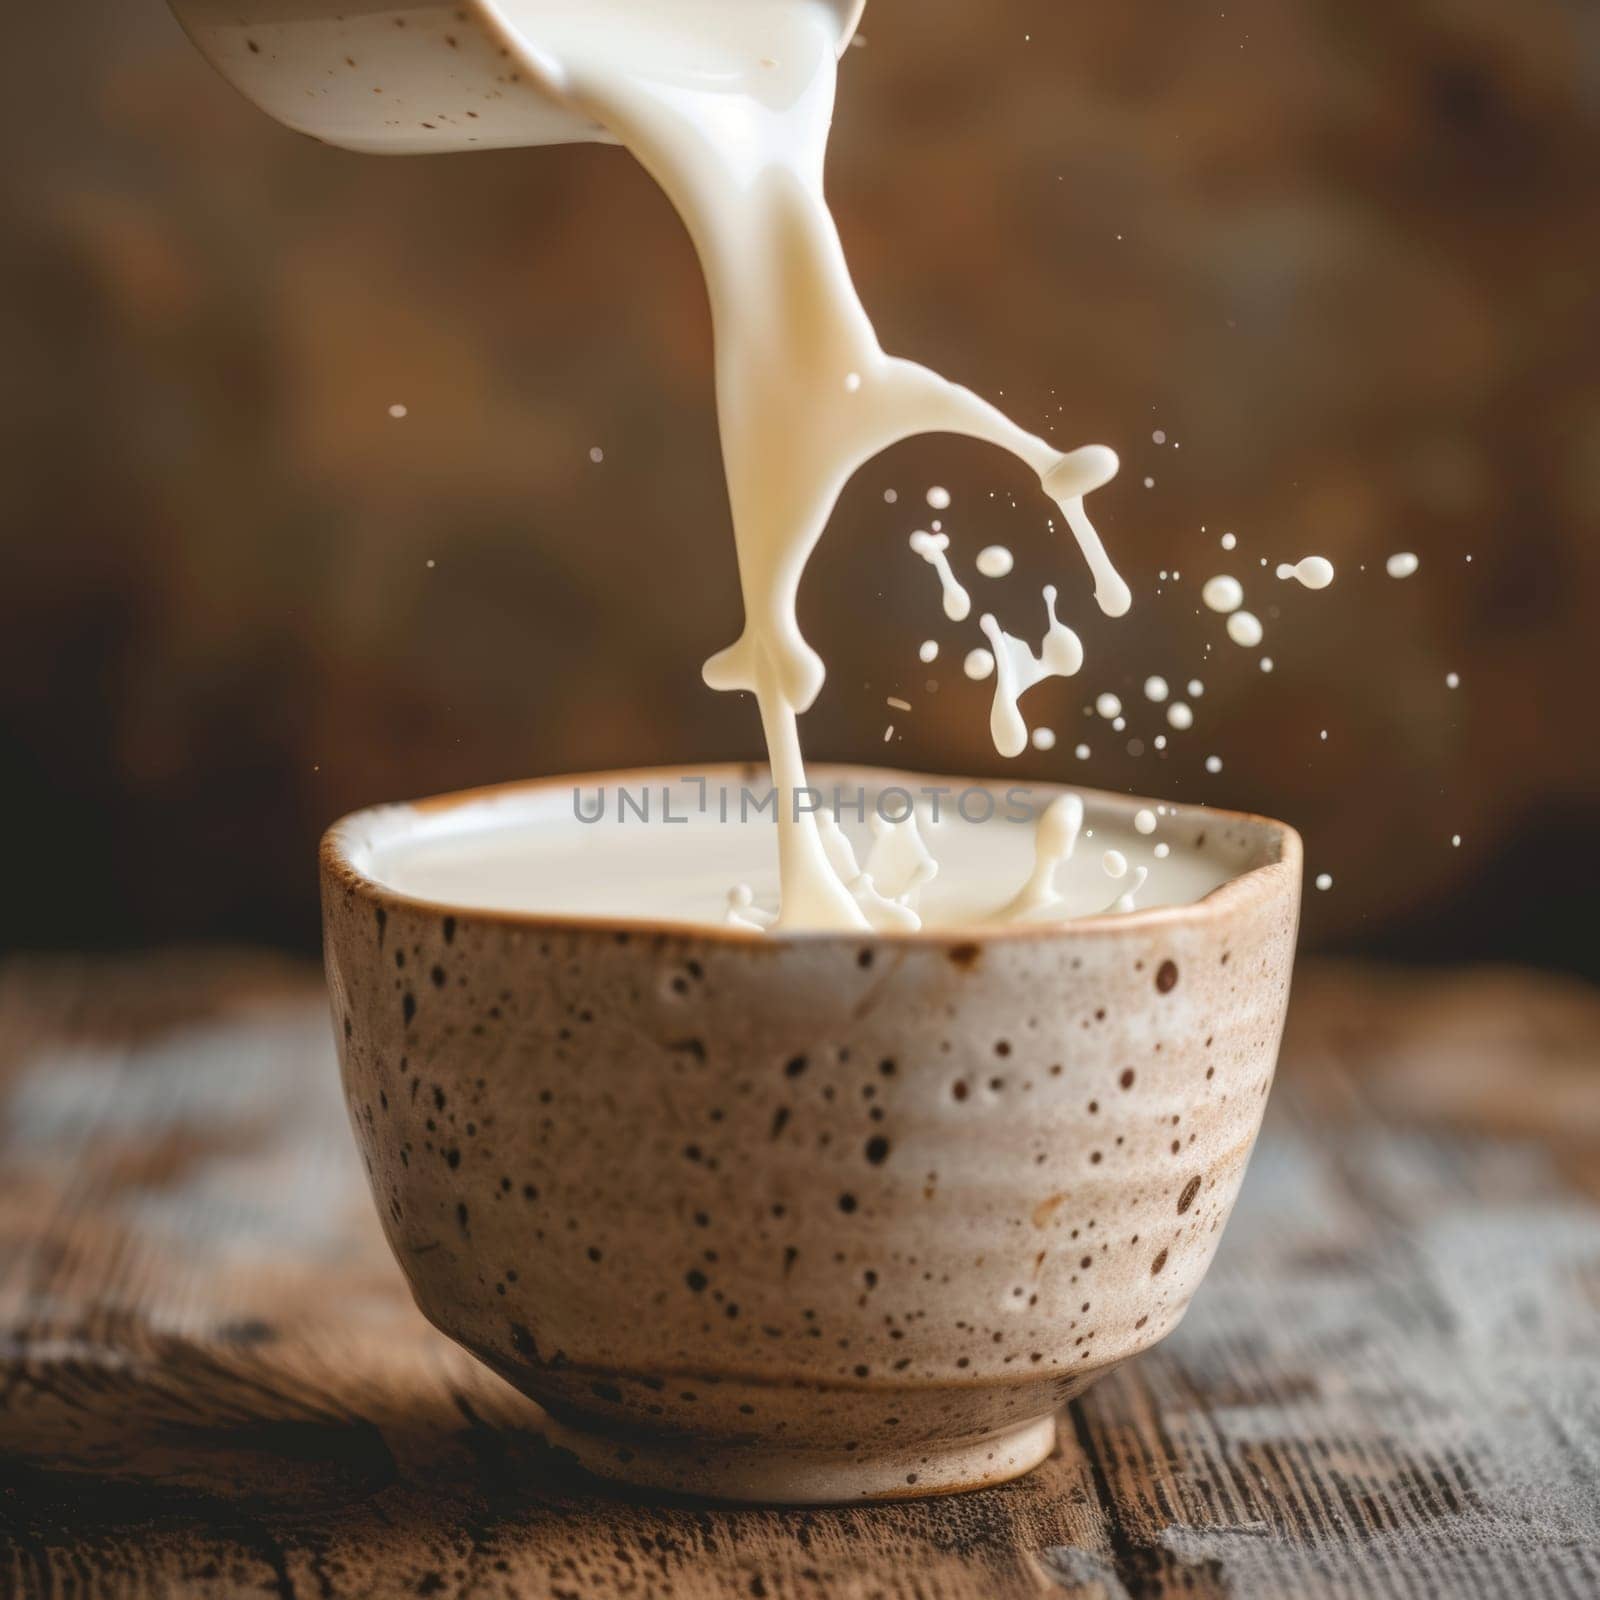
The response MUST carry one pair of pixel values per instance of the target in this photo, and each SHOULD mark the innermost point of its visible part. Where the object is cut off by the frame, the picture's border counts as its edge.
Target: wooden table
(212, 1381)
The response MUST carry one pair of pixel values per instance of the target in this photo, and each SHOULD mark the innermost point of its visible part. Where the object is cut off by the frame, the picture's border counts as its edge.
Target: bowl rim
(338, 869)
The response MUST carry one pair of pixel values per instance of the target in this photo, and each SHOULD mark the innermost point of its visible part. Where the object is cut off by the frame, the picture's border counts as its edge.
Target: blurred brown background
(1341, 251)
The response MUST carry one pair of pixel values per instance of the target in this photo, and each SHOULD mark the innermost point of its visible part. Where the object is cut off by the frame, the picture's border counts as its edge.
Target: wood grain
(213, 1383)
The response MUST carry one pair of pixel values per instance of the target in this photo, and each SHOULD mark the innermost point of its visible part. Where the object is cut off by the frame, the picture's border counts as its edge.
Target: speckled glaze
(816, 1218)
(409, 77)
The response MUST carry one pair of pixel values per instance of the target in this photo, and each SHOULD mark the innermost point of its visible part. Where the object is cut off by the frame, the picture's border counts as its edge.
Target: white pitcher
(392, 78)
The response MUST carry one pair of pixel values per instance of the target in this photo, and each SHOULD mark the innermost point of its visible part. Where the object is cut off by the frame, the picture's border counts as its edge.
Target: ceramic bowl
(817, 1218)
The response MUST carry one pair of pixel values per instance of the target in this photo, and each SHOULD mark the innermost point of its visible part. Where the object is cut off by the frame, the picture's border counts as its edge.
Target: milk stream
(727, 104)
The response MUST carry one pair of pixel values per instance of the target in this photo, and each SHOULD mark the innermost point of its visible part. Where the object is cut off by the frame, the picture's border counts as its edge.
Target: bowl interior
(659, 846)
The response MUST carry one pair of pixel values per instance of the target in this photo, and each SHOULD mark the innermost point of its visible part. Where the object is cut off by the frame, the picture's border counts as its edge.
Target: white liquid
(727, 104)
(928, 650)
(1054, 840)
(1401, 565)
(1180, 716)
(1108, 705)
(932, 547)
(525, 851)
(1018, 669)
(994, 561)
(1315, 572)
(1244, 628)
(1223, 594)
(978, 664)
(1155, 689)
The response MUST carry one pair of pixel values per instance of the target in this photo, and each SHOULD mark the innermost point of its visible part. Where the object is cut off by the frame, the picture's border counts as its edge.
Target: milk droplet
(1223, 593)
(888, 733)
(1244, 628)
(1162, 851)
(1213, 763)
(928, 650)
(1324, 880)
(1266, 663)
(1144, 819)
(1227, 541)
(931, 547)
(1452, 680)
(1155, 689)
(1402, 565)
(397, 412)
(1160, 741)
(890, 496)
(1455, 841)
(1115, 863)
(938, 498)
(1082, 752)
(1055, 837)
(1044, 739)
(994, 561)
(852, 381)
(1108, 705)
(1196, 688)
(1125, 902)
(1315, 572)
(1067, 480)
(1018, 669)
(978, 665)
(1159, 436)
(1180, 716)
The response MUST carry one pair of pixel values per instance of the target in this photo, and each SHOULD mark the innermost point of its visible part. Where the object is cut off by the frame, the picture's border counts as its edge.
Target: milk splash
(727, 104)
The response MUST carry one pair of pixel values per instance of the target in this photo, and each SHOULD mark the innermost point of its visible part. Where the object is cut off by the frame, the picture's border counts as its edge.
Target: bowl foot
(760, 1474)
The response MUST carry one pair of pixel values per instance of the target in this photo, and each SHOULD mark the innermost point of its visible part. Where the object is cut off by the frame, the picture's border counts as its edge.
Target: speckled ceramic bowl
(815, 1218)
